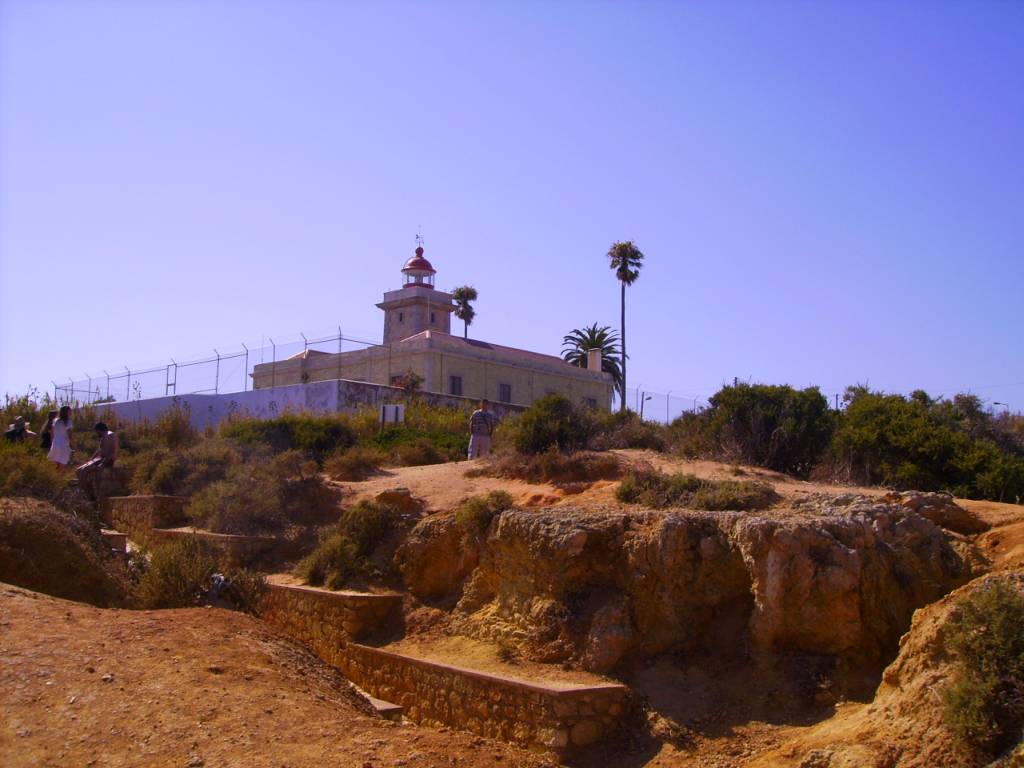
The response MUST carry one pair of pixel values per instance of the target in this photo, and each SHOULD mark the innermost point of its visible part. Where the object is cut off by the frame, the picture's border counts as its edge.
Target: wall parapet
(543, 718)
(327, 621)
(138, 515)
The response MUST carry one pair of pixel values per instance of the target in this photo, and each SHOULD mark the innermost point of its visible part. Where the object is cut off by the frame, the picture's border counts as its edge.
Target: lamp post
(646, 397)
(1005, 405)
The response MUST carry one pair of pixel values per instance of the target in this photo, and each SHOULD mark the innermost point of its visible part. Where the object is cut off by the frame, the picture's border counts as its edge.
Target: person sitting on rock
(104, 458)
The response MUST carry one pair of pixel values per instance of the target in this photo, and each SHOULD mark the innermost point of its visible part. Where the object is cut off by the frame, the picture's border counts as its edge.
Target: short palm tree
(579, 340)
(463, 295)
(626, 259)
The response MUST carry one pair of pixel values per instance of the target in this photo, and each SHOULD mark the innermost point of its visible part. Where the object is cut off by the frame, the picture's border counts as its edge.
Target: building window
(455, 385)
(432, 318)
(505, 393)
(397, 381)
(401, 317)
(592, 402)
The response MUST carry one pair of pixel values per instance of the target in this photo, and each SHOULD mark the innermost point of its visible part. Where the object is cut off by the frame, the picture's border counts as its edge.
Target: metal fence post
(128, 385)
(245, 371)
(108, 383)
(273, 365)
(216, 373)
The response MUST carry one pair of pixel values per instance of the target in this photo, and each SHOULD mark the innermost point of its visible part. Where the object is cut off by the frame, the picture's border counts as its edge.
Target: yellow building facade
(417, 339)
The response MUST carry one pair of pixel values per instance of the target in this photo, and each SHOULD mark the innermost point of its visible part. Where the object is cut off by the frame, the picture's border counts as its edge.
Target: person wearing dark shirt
(17, 432)
(481, 427)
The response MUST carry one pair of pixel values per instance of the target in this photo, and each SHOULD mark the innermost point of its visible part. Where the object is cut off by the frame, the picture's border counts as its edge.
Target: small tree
(626, 259)
(463, 295)
(579, 341)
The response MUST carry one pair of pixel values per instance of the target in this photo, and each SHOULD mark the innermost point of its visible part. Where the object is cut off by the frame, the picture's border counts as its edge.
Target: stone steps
(385, 709)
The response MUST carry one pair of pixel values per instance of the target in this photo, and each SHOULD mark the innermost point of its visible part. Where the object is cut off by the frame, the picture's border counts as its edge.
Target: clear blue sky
(826, 193)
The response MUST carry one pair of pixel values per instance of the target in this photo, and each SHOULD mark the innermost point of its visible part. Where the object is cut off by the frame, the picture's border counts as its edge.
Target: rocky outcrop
(904, 725)
(837, 577)
(436, 558)
(941, 510)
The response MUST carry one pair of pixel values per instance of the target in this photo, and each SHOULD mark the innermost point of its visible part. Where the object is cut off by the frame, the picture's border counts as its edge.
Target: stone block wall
(540, 717)
(231, 549)
(326, 621)
(138, 515)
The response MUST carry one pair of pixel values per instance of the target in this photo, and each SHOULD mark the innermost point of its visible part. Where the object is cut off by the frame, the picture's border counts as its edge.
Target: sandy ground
(82, 686)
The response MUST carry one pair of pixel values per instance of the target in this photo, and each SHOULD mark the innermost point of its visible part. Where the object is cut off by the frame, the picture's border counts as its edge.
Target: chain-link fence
(666, 407)
(227, 370)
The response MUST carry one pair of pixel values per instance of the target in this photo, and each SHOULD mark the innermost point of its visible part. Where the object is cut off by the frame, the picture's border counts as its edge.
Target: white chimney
(594, 359)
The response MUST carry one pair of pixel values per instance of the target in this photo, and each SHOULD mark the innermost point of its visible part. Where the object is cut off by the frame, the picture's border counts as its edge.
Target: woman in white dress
(60, 448)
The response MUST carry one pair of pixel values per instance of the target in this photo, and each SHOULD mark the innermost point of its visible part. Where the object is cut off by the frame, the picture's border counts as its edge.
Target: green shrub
(247, 588)
(319, 436)
(551, 421)
(354, 464)
(925, 444)
(25, 471)
(178, 573)
(171, 429)
(182, 473)
(418, 453)
(248, 501)
(332, 564)
(551, 466)
(414, 446)
(985, 704)
(659, 490)
(625, 429)
(778, 427)
(345, 549)
(476, 512)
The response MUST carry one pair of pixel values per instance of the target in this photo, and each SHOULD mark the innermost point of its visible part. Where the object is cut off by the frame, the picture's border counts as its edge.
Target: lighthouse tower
(417, 306)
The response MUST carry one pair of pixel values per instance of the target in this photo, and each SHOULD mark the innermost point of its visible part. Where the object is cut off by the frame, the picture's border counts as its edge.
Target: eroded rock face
(436, 558)
(942, 510)
(845, 581)
(590, 587)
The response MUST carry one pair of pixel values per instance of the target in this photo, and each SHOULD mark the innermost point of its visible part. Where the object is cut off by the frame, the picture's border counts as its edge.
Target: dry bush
(552, 466)
(25, 471)
(175, 472)
(177, 575)
(476, 512)
(985, 705)
(345, 549)
(659, 490)
(50, 551)
(418, 453)
(355, 464)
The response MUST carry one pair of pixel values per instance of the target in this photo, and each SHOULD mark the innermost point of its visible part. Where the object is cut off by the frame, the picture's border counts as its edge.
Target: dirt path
(82, 686)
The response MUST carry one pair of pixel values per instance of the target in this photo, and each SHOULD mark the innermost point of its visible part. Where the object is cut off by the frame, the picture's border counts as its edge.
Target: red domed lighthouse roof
(418, 264)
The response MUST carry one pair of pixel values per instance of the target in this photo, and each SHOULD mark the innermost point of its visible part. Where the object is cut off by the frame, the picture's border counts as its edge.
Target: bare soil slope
(82, 686)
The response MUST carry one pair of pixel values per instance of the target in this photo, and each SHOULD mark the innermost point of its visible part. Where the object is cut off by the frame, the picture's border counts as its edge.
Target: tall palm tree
(463, 295)
(579, 340)
(626, 259)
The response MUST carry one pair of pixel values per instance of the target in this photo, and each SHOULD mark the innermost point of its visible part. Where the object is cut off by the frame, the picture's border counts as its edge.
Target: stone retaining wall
(326, 621)
(539, 717)
(138, 515)
(232, 549)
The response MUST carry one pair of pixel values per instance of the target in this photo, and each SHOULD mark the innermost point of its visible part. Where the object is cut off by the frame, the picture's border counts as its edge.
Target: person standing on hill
(60, 446)
(481, 427)
(46, 433)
